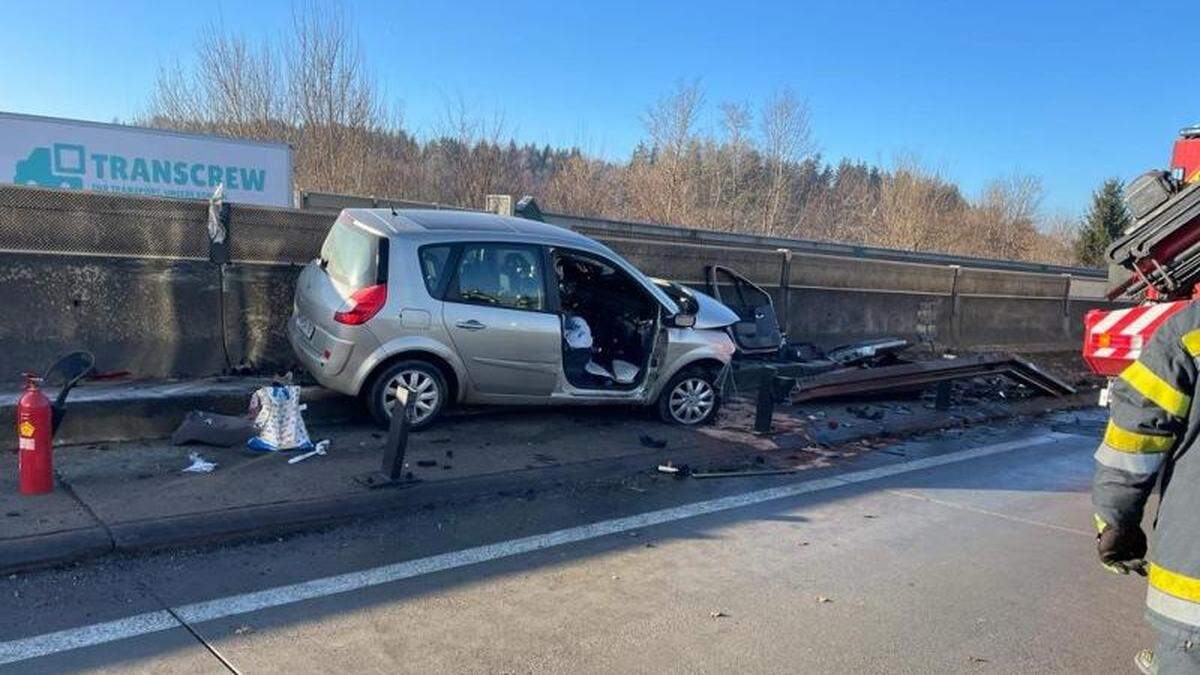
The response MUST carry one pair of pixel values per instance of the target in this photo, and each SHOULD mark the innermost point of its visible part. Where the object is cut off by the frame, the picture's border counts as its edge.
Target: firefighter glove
(1122, 548)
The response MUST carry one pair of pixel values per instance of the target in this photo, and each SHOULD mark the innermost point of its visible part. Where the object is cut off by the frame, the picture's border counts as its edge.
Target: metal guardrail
(307, 199)
(313, 200)
(909, 375)
(718, 238)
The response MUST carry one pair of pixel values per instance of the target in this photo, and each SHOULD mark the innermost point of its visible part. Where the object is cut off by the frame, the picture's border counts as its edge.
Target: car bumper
(327, 357)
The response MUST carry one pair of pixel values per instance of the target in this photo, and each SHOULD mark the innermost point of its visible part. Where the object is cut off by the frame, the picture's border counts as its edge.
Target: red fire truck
(1155, 263)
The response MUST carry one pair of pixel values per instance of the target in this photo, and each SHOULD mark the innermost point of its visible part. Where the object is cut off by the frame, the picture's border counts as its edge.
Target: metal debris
(199, 464)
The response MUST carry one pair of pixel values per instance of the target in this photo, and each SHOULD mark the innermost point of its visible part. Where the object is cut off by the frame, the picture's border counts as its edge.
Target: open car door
(757, 331)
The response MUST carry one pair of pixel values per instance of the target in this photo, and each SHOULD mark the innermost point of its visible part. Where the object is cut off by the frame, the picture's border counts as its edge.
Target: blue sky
(1071, 92)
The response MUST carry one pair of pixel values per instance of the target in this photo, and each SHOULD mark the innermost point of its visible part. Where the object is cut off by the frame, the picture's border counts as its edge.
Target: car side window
(433, 266)
(502, 275)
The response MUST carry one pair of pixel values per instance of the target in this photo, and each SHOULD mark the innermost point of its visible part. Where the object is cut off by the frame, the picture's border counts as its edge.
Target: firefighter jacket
(1152, 433)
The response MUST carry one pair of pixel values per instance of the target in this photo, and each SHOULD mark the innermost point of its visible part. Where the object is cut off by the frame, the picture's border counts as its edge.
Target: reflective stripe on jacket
(1151, 429)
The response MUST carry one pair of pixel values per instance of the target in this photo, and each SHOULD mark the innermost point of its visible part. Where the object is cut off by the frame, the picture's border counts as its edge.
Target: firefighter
(1152, 434)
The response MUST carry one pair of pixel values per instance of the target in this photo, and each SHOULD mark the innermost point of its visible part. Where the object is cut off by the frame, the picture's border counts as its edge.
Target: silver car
(462, 307)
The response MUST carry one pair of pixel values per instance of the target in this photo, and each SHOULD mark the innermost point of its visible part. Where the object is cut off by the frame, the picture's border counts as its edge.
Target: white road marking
(153, 622)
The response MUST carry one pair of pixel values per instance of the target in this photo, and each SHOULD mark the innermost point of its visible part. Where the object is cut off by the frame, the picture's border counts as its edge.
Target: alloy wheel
(420, 385)
(692, 400)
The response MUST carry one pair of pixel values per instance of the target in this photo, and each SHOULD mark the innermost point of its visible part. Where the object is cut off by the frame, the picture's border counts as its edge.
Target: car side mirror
(683, 320)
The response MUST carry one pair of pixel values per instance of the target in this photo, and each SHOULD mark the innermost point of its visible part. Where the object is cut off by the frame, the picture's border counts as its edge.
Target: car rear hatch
(339, 293)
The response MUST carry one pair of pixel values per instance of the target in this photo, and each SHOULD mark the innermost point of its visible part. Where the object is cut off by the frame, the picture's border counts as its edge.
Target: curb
(245, 523)
(147, 415)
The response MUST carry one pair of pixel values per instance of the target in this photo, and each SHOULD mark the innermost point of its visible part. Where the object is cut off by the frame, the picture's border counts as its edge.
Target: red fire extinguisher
(35, 458)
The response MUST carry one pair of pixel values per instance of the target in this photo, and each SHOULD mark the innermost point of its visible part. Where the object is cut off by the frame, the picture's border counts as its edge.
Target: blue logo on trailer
(59, 166)
(65, 165)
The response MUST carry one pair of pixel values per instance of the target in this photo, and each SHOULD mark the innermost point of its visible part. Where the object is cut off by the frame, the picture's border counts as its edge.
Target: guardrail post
(391, 473)
(765, 408)
(941, 399)
(955, 308)
(1066, 306)
(785, 279)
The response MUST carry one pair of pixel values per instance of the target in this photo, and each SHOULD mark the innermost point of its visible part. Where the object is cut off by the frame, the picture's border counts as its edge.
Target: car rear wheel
(690, 398)
(426, 386)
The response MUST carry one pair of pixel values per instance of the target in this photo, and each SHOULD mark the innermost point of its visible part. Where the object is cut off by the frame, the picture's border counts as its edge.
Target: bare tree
(670, 123)
(733, 158)
(1005, 218)
(583, 186)
(234, 89)
(1056, 240)
(787, 139)
(311, 90)
(336, 103)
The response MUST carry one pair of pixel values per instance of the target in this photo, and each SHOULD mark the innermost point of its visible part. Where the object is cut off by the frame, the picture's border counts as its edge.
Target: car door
(758, 328)
(497, 312)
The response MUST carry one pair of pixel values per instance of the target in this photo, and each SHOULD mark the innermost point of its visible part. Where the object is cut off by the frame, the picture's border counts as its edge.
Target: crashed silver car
(460, 307)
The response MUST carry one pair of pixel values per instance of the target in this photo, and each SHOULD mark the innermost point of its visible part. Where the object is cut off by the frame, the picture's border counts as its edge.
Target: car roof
(466, 225)
(412, 221)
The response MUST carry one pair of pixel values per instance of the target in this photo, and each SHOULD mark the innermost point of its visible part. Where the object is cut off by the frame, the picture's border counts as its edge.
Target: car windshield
(680, 294)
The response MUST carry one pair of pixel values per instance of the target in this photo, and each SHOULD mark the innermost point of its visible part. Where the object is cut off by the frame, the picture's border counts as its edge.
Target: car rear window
(352, 256)
(433, 266)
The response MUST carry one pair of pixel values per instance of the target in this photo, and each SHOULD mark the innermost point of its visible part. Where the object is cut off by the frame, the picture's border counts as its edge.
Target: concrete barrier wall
(154, 318)
(127, 279)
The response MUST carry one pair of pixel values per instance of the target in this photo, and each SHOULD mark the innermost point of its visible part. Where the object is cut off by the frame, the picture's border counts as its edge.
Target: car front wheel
(692, 397)
(427, 390)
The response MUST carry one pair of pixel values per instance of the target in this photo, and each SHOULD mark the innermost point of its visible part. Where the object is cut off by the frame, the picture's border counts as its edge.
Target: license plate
(306, 327)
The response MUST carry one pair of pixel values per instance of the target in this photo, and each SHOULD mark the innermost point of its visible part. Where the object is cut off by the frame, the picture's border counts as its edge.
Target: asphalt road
(963, 554)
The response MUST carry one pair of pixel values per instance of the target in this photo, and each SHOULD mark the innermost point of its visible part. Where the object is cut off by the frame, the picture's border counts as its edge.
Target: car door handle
(470, 324)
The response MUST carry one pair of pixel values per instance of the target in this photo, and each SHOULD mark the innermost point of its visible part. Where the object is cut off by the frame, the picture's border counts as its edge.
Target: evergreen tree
(1105, 221)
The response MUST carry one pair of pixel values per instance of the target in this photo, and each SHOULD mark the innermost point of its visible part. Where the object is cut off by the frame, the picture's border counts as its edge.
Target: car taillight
(363, 304)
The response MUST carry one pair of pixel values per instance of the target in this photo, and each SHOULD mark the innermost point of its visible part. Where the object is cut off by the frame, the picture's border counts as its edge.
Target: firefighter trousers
(1177, 656)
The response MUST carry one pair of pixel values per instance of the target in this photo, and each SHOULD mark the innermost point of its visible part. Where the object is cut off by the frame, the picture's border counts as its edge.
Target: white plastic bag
(279, 420)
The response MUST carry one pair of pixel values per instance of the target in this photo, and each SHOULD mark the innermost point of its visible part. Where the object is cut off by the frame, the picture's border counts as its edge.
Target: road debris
(243, 629)
(677, 471)
(866, 412)
(743, 474)
(651, 442)
(319, 449)
(718, 615)
(208, 428)
(822, 599)
(199, 464)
